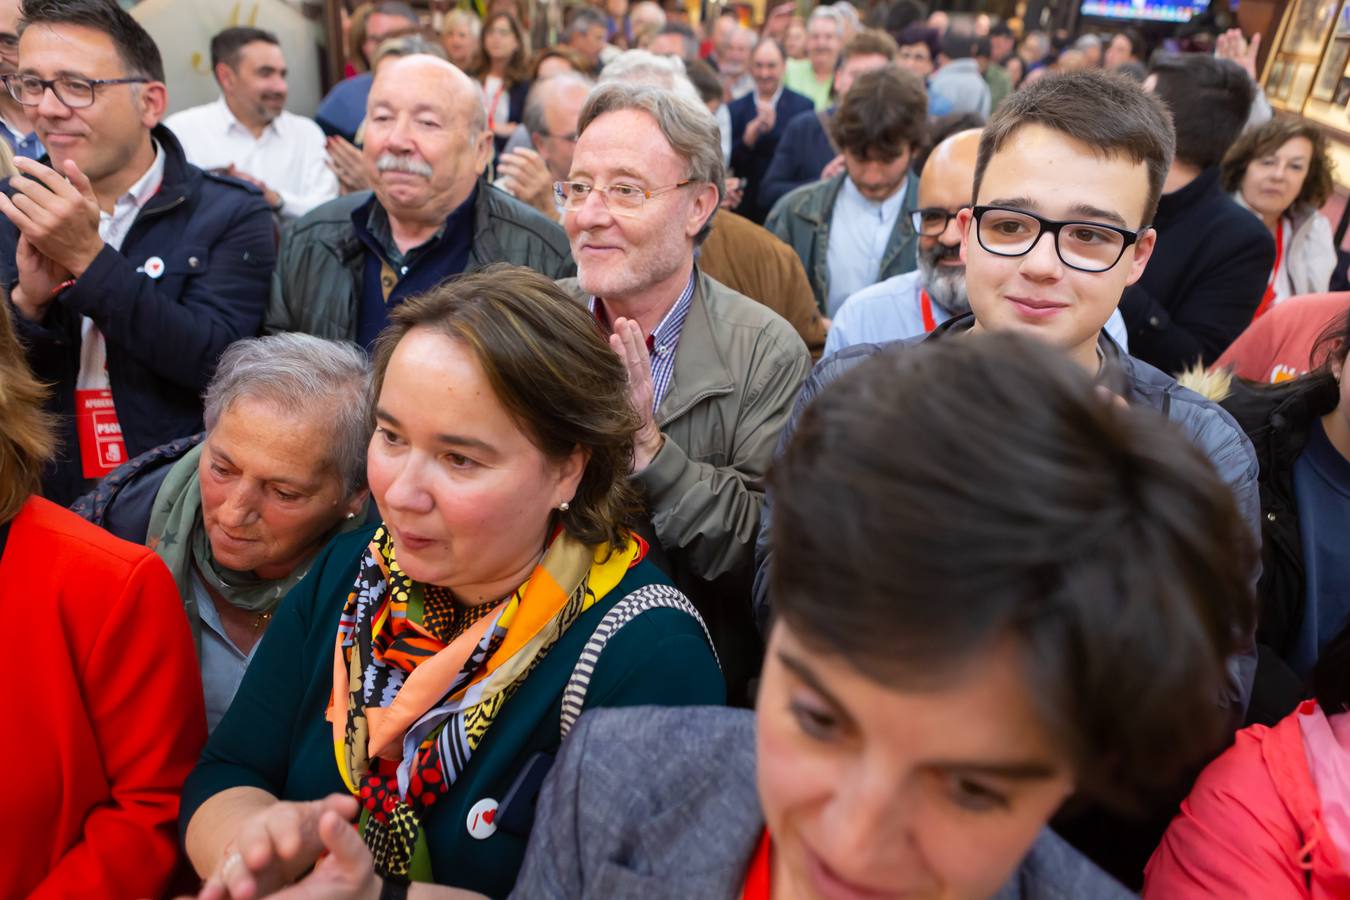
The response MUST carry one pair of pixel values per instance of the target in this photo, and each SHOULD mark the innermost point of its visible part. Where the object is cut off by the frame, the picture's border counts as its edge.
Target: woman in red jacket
(1270, 818)
(108, 720)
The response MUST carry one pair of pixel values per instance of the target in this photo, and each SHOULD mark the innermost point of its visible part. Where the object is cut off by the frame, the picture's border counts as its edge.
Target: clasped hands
(57, 216)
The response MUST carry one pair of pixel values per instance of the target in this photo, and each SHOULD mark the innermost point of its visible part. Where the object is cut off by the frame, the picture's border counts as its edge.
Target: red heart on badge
(489, 816)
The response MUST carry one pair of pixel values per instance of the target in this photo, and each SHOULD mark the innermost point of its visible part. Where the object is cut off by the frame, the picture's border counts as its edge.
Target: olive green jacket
(802, 219)
(316, 286)
(737, 370)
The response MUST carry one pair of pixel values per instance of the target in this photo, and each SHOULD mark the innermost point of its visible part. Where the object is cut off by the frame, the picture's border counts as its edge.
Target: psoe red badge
(101, 446)
(154, 267)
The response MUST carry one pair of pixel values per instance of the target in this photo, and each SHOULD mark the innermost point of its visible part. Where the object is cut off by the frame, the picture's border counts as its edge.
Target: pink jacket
(1253, 825)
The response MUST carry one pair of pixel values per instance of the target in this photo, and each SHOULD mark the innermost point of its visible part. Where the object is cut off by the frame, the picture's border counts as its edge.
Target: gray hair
(646, 9)
(462, 16)
(585, 18)
(645, 67)
(685, 123)
(829, 13)
(302, 373)
(407, 45)
(542, 94)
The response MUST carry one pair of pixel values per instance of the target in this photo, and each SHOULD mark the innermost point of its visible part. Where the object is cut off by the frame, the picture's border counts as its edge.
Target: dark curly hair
(552, 371)
(1257, 142)
(883, 115)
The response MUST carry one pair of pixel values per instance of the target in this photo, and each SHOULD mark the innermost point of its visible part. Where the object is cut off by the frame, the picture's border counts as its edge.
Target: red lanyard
(757, 879)
(926, 307)
(1269, 298)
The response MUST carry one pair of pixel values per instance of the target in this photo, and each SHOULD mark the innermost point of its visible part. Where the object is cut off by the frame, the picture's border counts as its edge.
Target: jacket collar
(485, 247)
(1173, 204)
(701, 370)
(180, 178)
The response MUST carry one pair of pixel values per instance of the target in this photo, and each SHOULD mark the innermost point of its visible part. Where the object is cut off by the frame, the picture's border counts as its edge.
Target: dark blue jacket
(217, 240)
(1204, 281)
(751, 163)
(802, 152)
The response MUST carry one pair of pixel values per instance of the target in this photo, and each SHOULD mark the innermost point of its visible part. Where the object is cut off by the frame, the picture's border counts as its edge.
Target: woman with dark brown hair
(1281, 171)
(430, 666)
(108, 718)
(503, 70)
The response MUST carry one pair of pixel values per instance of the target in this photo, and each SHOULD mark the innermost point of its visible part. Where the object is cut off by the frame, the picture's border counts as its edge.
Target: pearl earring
(564, 506)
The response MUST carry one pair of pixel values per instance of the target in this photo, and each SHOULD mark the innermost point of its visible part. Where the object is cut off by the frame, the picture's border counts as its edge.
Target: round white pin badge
(482, 820)
(154, 267)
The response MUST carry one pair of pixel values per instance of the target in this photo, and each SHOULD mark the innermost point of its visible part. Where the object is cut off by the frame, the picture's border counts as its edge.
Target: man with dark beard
(248, 133)
(917, 302)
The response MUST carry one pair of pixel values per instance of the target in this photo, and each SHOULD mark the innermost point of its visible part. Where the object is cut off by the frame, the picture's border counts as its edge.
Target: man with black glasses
(16, 127)
(128, 270)
(1067, 181)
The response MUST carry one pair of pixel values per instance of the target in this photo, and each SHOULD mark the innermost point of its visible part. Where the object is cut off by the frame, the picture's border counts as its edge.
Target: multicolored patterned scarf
(408, 710)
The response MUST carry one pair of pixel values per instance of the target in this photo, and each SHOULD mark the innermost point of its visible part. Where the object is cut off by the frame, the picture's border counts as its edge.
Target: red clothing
(1277, 346)
(104, 708)
(1252, 827)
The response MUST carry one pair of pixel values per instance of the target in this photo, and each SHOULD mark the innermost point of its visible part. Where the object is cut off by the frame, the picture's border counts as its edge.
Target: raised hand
(628, 342)
(58, 214)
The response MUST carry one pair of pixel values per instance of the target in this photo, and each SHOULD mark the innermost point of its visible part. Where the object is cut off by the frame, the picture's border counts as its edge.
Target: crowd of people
(873, 453)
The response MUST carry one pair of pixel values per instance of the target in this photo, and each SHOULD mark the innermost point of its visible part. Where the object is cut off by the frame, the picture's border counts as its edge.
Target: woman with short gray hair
(239, 512)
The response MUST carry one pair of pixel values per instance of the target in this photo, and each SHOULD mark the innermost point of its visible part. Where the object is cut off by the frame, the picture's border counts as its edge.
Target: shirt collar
(232, 121)
(773, 101)
(886, 208)
(666, 331)
(148, 184)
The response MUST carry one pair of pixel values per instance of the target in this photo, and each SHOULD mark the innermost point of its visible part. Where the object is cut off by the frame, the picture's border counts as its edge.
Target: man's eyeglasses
(618, 197)
(1085, 246)
(75, 93)
(931, 221)
(569, 138)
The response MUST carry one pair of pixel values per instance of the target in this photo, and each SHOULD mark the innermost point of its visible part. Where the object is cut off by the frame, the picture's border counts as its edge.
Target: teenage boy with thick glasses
(1067, 180)
(128, 269)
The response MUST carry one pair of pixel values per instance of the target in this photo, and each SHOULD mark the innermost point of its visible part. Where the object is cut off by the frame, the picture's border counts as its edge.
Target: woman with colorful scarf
(240, 512)
(429, 666)
(968, 631)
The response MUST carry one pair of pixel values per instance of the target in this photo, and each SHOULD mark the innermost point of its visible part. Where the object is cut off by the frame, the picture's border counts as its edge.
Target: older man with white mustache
(430, 213)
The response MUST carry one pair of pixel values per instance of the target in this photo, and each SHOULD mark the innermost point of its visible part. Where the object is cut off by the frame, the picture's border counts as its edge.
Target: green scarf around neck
(177, 536)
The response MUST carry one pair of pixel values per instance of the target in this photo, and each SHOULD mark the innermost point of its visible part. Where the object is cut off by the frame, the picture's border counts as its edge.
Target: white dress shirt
(290, 157)
(859, 231)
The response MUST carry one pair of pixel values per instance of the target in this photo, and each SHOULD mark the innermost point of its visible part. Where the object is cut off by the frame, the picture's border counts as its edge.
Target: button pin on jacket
(154, 267)
(482, 822)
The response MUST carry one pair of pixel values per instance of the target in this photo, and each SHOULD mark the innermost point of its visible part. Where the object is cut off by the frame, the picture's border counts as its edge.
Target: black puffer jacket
(1277, 418)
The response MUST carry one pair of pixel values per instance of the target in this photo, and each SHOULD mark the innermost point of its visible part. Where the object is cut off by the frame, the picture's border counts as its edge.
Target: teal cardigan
(275, 736)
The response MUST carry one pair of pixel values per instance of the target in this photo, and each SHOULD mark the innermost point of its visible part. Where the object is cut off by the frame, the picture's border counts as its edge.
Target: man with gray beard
(917, 302)
(430, 214)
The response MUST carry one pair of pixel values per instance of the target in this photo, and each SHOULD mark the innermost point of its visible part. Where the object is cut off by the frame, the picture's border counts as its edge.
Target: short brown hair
(868, 42)
(551, 370)
(26, 433)
(1257, 142)
(884, 113)
(1109, 113)
(1094, 534)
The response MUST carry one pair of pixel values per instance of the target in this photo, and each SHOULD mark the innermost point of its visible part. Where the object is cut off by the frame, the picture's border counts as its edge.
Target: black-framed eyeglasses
(1085, 246)
(931, 221)
(76, 93)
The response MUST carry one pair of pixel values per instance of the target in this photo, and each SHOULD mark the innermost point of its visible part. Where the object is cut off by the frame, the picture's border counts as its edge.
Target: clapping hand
(628, 342)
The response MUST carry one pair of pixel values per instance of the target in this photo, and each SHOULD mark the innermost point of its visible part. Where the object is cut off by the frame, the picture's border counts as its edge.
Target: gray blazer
(660, 804)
